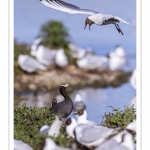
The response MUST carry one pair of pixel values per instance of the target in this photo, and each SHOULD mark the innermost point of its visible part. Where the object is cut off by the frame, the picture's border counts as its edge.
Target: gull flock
(42, 57)
(87, 133)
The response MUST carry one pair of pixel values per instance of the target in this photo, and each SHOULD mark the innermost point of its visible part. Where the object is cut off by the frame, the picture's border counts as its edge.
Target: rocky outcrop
(72, 75)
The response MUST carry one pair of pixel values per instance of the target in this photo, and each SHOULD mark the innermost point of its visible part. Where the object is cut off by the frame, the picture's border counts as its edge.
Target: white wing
(31, 62)
(90, 133)
(18, 144)
(66, 7)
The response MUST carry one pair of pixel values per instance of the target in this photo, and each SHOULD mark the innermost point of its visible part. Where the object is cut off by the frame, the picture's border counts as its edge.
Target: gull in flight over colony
(94, 18)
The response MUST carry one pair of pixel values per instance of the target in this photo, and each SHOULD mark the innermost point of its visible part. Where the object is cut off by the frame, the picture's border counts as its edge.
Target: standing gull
(44, 55)
(29, 64)
(91, 136)
(94, 18)
(82, 118)
(70, 123)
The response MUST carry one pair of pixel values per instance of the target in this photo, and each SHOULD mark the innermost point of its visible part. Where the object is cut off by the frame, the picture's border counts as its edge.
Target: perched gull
(78, 103)
(29, 64)
(91, 61)
(35, 44)
(44, 55)
(51, 145)
(120, 51)
(54, 129)
(94, 18)
(70, 123)
(91, 136)
(117, 58)
(82, 118)
(20, 145)
(76, 52)
(61, 59)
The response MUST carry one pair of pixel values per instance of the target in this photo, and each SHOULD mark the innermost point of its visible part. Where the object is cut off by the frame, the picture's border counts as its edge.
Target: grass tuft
(120, 118)
(29, 120)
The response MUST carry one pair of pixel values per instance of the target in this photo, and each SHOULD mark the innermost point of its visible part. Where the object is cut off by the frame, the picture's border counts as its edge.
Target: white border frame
(7, 29)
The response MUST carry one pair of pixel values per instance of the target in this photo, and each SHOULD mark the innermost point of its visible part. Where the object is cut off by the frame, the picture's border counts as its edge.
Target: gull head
(79, 112)
(88, 21)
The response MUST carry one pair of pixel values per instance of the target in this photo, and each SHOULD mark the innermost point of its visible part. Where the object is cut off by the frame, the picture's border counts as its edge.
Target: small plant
(120, 118)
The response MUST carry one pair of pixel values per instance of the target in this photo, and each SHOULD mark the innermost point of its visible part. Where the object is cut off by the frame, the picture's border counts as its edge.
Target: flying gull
(94, 18)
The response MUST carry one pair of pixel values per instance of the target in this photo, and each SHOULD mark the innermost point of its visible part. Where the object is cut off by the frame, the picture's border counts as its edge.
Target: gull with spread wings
(94, 18)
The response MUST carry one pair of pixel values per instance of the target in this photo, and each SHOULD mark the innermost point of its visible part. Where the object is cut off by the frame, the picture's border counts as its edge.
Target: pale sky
(29, 15)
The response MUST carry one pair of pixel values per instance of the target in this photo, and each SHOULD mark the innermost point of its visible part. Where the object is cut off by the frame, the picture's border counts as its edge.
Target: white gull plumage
(82, 118)
(94, 18)
(91, 61)
(132, 126)
(71, 123)
(43, 54)
(78, 103)
(133, 79)
(117, 58)
(51, 145)
(76, 52)
(90, 135)
(20, 145)
(122, 141)
(29, 64)
(54, 129)
(61, 59)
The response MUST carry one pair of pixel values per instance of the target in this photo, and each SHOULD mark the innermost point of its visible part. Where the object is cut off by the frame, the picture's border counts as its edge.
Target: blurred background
(66, 47)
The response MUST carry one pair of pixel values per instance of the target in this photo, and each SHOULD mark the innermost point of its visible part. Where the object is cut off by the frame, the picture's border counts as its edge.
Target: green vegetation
(120, 118)
(27, 124)
(29, 120)
(20, 48)
(54, 35)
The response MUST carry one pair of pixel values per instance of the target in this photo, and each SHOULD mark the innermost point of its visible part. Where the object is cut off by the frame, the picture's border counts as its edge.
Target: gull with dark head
(70, 123)
(94, 18)
(82, 118)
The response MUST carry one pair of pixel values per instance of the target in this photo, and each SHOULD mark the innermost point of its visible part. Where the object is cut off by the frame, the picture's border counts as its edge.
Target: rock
(72, 75)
